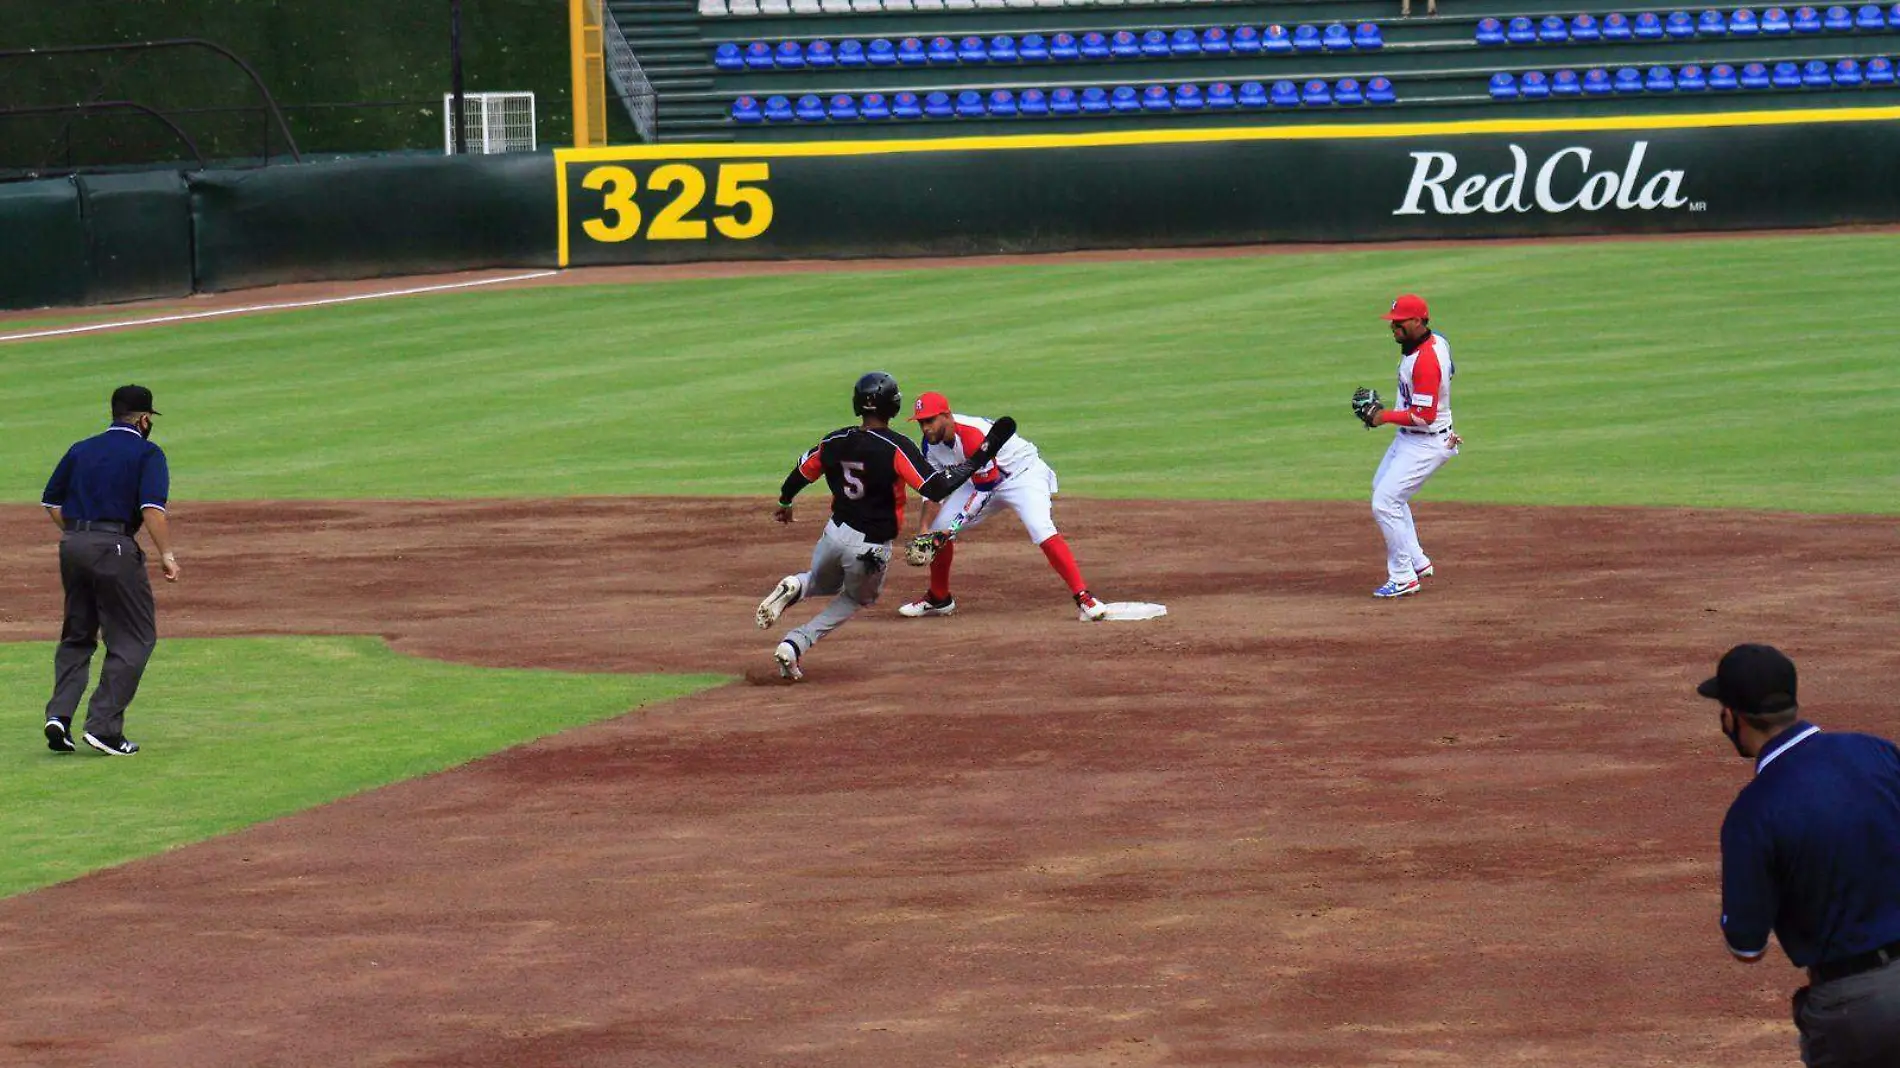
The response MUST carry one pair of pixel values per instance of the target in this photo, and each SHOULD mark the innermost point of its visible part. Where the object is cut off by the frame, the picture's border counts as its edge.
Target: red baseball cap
(929, 404)
(1409, 306)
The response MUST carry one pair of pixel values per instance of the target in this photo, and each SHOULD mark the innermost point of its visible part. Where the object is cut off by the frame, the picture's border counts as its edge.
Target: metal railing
(630, 81)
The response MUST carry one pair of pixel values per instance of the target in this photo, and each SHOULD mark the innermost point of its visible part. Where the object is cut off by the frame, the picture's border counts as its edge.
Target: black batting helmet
(876, 394)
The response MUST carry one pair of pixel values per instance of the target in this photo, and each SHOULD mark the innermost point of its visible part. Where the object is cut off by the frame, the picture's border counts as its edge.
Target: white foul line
(158, 319)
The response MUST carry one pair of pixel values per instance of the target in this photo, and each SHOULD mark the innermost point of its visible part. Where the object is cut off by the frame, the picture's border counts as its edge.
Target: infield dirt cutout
(1285, 825)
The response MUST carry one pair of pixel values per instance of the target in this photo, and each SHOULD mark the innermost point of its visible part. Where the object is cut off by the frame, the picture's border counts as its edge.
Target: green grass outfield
(236, 731)
(1716, 372)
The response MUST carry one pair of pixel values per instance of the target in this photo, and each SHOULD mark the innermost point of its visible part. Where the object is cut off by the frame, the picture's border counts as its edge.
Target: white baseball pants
(1029, 493)
(1409, 461)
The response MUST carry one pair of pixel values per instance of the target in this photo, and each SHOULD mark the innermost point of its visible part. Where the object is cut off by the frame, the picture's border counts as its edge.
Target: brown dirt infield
(1286, 825)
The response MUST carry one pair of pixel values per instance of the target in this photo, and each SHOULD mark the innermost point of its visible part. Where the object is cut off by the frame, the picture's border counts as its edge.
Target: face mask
(1735, 736)
(145, 429)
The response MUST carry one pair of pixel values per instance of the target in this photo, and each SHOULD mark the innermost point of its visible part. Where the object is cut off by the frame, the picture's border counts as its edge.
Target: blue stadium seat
(1616, 27)
(1336, 38)
(937, 106)
(1157, 98)
(1584, 28)
(1124, 98)
(1648, 26)
(1786, 75)
(1743, 24)
(1367, 37)
(1276, 39)
(1095, 100)
(1220, 96)
(1722, 77)
(1002, 104)
(941, 50)
(873, 106)
(1306, 39)
(1317, 94)
(1521, 30)
(746, 108)
(882, 53)
(1490, 32)
(1124, 45)
(1807, 20)
(1033, 102)
(1680, 25)
(1033, 48)
(1188, 98)
(1837, 20)
(843, 108)
(1216, 42)
(1629, 80)
(820, 54)
(1503, 86)
(1154, 44)
(1063, 47)
(1346, 91)
(1847, 73)
(1755, 76)
(1692, 79)
(905, 105)
(1816, 74)
(1246, 39)
(1711, 24)
(1253, 95)
(1064, 102)
(851, 54)
(1879, 71)
(1659, 80)
(910, 52)
(1893, 17)
(728, 57)
(1869, 17)
(758, 56)
(1003, 49)
(1185, 43)
(1565, 83)
(1596, 82)
(1775, 22)
(1553, 30)
(810, 108)
(1534, 85)
(972, 50)
(778, 109)
(1284, 94)
(970, 104)
(1380, 91)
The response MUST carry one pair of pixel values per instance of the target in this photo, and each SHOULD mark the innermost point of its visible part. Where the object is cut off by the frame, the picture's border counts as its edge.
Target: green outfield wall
(93, 240)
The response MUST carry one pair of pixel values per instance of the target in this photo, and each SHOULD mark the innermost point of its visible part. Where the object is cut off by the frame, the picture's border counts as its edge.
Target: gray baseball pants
(107, 589)
(843, 563)
(1852, 1022)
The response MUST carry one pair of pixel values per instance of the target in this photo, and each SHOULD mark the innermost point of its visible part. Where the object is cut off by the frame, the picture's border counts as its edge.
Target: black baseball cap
(132, 399)
(1755, 680)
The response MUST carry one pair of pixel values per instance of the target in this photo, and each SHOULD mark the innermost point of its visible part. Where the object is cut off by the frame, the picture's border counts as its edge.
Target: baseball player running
(1018, 479)
(867, 468)
(1422, 445)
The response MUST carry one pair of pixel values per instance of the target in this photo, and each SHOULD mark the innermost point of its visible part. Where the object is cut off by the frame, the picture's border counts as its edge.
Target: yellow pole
(589, 73)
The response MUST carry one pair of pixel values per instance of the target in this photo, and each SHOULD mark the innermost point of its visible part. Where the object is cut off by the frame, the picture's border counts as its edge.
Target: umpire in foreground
(104, 490)
(1811, 851)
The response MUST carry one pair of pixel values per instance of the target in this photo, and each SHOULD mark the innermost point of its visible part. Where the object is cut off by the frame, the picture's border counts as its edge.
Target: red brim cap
(1408, 306)
(928, 405)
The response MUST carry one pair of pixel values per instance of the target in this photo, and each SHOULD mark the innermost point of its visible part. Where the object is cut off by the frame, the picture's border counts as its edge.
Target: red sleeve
(907, 472)
(970, 438)
(1426, 378)
(813, 465)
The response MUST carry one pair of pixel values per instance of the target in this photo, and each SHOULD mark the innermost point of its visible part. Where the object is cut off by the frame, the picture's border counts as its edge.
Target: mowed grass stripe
(1715, 372)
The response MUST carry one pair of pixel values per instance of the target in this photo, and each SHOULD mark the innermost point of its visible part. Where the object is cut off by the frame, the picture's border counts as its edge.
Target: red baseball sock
(940, 571)
(1063, 561)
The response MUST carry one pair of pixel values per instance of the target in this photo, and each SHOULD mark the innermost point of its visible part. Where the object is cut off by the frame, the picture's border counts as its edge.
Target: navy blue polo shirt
(1811, 848)
(110, 477)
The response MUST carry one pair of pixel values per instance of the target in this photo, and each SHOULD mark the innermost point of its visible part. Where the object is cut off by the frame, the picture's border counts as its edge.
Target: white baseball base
(1129, 611)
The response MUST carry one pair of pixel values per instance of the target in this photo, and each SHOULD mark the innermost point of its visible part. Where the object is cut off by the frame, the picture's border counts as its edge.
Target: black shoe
(59, 738)
(116, 746)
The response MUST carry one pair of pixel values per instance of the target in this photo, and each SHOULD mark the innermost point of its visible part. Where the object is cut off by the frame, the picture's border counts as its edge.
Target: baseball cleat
(1396, 589)
(1426, 571)
(787, 657)
(928, 606)
(783, 596)
(1088, 609)
(58, 737)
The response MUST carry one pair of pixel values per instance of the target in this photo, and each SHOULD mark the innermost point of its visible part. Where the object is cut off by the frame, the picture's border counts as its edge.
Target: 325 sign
(614, 203)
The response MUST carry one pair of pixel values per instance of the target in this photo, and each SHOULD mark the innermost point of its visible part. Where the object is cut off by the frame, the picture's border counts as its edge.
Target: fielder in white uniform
(1421, 446)
(1018, 480)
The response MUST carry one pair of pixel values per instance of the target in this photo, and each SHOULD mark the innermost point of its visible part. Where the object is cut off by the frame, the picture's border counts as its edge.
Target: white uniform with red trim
(1018, 478)
(1416, 452)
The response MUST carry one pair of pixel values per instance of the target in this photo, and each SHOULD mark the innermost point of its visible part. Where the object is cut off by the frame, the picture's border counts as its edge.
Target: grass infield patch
(237, 731)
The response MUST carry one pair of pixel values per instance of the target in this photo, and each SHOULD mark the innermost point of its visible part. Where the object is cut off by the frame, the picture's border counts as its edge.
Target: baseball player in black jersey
(867, 467)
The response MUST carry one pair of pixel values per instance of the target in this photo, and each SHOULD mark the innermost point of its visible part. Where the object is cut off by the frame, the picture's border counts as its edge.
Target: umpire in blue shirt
(105, 489)
(1811, 851)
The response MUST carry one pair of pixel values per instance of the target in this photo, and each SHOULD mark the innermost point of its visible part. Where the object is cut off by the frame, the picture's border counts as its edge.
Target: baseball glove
(1367, 406)
(923, 548)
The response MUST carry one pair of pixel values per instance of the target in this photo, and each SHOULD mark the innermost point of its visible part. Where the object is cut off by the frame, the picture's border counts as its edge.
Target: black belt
(97, 526)
(1427, 433)
(1854, 965)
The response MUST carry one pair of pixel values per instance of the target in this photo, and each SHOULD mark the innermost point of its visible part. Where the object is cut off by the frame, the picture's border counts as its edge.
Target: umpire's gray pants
(107, 589)
(845, 564)
(1852, 1022)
